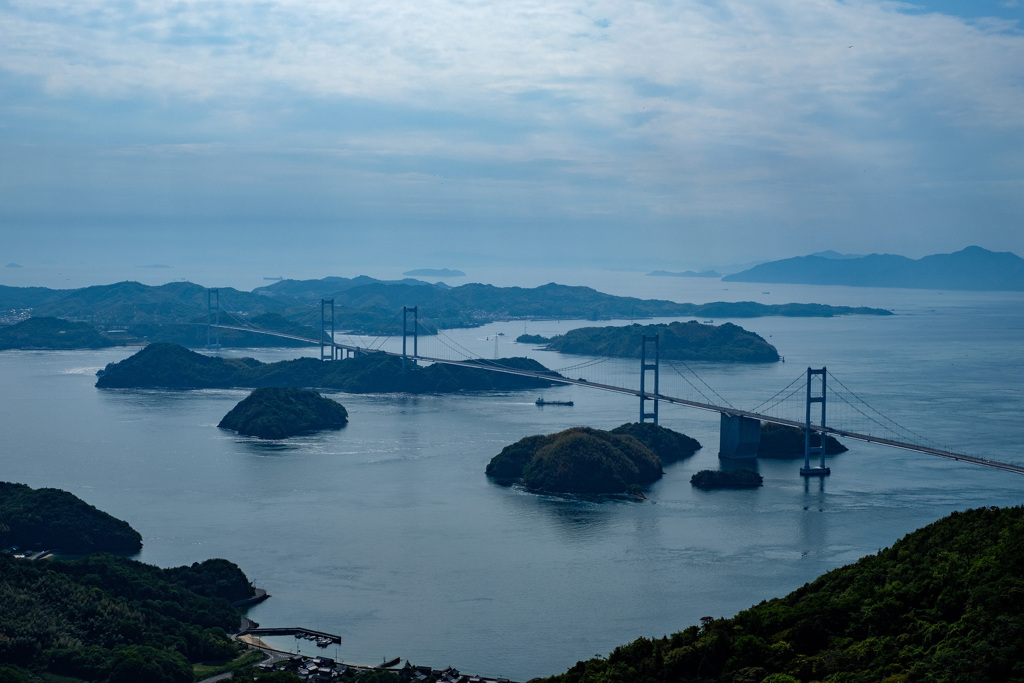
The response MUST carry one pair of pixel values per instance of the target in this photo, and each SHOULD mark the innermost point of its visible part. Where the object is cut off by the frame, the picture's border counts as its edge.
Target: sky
(306, 138)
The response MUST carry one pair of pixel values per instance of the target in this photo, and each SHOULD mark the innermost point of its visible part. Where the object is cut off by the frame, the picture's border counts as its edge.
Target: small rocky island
(280, 412)
(783, 443)
(591, 461)
(727, 479)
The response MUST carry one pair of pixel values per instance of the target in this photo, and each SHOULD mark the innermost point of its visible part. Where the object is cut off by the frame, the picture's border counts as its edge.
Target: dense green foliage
(532, 339)
(52, 333)
(944, 604)
(174, 367)
(280, 412)
(677, 341)
(58, 520)
(727, 479)
(107, 618)
(667, 444)
(781, 441)
(585, 460)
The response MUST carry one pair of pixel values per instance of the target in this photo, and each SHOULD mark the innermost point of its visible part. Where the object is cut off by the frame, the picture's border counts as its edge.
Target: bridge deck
(482, 365)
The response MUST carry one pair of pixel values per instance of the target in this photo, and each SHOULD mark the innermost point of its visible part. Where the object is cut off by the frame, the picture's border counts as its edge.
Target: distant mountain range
(972, 268)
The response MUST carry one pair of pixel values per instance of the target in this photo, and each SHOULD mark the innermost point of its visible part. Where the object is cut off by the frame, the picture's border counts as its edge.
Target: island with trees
(727, 479)
(688, 341)
(53, 333)
(170, 366)
(590, 461)
(944, 603)
(783, 442)
(53, 519)
(280, 412)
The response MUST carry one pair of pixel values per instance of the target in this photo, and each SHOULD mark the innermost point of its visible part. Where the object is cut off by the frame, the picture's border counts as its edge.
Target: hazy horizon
(282, 139)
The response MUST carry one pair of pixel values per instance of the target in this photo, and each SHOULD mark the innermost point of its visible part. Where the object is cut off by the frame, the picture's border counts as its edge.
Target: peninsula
(280, 412)
(52, 519)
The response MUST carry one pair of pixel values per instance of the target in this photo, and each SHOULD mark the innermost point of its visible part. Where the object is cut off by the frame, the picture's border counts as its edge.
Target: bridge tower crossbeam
(646, 367)
(820, 470)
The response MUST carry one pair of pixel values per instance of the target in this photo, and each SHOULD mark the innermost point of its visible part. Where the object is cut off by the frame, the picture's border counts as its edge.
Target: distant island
(178, 313)
(942, 604)
(677, 341)
(52, 519)
(280, 412)
(783, 442)
(53, 333)
(169, 366)
(685, 273)
(727, 479)
(591, 461)
(972, 268)
(434, 272)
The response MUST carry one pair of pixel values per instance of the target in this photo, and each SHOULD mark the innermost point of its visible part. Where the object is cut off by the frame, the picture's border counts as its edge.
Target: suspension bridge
(740, 429)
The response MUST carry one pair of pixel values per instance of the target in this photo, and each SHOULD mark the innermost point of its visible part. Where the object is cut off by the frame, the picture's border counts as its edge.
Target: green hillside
(943, 604)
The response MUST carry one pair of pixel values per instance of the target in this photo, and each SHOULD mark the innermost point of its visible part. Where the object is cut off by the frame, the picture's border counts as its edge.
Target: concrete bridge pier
(738, 437)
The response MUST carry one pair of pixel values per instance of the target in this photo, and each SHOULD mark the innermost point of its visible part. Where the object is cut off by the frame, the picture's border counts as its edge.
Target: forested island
(280, 412)
(53, 333)
(945, 603)
(591, 461)
(783, 442)
(178, 312)
(677, 341)
(52, 519)
(169, 366)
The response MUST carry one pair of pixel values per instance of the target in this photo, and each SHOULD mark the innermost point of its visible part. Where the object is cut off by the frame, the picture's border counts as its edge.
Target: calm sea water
(388, 532)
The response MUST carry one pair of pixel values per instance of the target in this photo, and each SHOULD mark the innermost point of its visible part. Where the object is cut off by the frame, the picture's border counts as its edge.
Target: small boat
(542, 402)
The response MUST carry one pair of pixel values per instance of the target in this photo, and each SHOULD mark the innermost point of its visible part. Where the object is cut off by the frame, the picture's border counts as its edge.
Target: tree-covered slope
(106, 618)
(943, 604)
(173, 367)
(280, 412)
(58, 520)
(677, 341)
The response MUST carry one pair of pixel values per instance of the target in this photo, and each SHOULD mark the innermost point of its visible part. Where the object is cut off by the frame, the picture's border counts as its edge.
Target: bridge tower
(646, 367)
(820, 470)
(415, 332)
(324, 322)
(212, 313)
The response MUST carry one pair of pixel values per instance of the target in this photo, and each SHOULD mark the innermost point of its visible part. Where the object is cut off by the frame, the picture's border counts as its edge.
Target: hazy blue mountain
(685, 273)
(972, 268)
(434, 272)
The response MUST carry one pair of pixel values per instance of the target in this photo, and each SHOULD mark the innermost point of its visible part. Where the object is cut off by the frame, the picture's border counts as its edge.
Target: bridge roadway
(481, 364)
